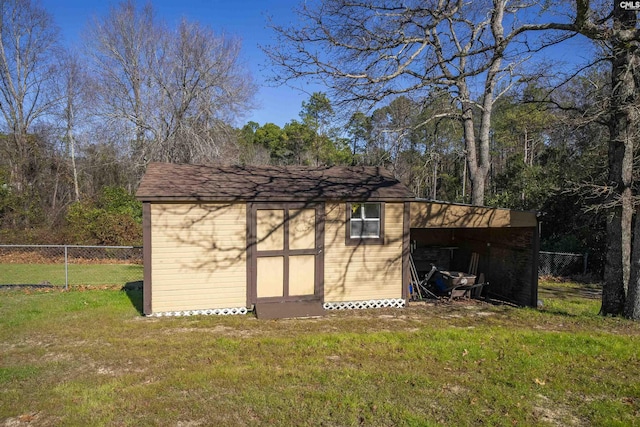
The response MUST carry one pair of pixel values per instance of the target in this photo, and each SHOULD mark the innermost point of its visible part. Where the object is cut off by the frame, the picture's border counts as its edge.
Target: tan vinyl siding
(362, 272)
(442, 215)
(198, 256)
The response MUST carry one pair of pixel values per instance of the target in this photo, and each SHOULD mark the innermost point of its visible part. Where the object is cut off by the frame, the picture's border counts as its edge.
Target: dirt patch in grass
(45, 287)
(31, 419)
(56, 256)
(555, 414)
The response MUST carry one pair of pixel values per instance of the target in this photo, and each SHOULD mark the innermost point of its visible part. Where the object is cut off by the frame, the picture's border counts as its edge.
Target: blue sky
(246, 19)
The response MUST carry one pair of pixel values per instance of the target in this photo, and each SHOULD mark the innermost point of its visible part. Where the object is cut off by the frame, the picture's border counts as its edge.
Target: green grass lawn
(89, 358)
(79, 274)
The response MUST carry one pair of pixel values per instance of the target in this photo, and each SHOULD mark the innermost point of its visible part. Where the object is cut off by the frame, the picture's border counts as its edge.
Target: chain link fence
(561, 264)
(95, 266)
(70, 265)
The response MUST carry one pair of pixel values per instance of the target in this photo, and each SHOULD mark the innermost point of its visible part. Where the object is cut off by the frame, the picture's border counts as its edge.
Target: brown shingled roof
(173, 182)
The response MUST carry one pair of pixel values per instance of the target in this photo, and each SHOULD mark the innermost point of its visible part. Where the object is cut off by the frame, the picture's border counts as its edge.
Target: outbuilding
(502, 245)
(295, 241)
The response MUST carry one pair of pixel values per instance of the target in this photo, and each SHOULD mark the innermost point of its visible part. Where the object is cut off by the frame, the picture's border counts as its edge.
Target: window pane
(372, 210)
(371, 229)
(356, 228)
(356, 210)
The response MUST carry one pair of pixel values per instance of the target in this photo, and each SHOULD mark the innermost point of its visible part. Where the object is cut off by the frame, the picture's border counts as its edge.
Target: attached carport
(507, 242)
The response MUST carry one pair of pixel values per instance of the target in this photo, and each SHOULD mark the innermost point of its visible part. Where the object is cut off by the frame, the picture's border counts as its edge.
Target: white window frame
(360, 239)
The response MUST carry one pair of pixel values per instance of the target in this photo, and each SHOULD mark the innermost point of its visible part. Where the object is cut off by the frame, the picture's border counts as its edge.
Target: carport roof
(180, 182)
(433, 214)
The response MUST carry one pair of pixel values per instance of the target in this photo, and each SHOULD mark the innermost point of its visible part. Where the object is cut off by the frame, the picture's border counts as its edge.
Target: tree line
(458, 99)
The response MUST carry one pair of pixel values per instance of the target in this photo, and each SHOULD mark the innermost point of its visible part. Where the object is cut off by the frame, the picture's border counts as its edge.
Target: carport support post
(66, 268)
(536, 261)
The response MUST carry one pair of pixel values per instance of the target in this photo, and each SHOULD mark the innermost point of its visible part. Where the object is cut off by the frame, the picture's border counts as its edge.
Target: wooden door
(286, 252)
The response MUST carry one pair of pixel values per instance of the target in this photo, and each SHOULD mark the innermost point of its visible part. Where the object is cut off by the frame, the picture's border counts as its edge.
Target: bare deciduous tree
(178, 90)
(74, 110)
(28, 45)
(369, 51)
(202, 89)
(121, 46)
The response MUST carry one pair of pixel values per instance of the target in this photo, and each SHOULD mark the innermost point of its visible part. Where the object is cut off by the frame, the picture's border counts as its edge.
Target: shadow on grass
(559, 312)
(568, 299)
(559, 291)
(134, 292)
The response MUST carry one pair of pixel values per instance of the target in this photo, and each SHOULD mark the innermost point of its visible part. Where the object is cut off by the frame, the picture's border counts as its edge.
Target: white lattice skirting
(374, 303)
(208, 312)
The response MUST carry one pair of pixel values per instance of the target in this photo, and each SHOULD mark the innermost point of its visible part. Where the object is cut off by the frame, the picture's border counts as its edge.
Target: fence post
(586, 256)
(66, 268)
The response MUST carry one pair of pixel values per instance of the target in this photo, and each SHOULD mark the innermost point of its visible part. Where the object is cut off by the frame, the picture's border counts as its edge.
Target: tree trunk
(478, 168)
(19, 165)
(623, 130)
(613, 289)
(632, 304)
(76, 186)
(632, 79)
(478, 179)
(71, 143)
(477, 173)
